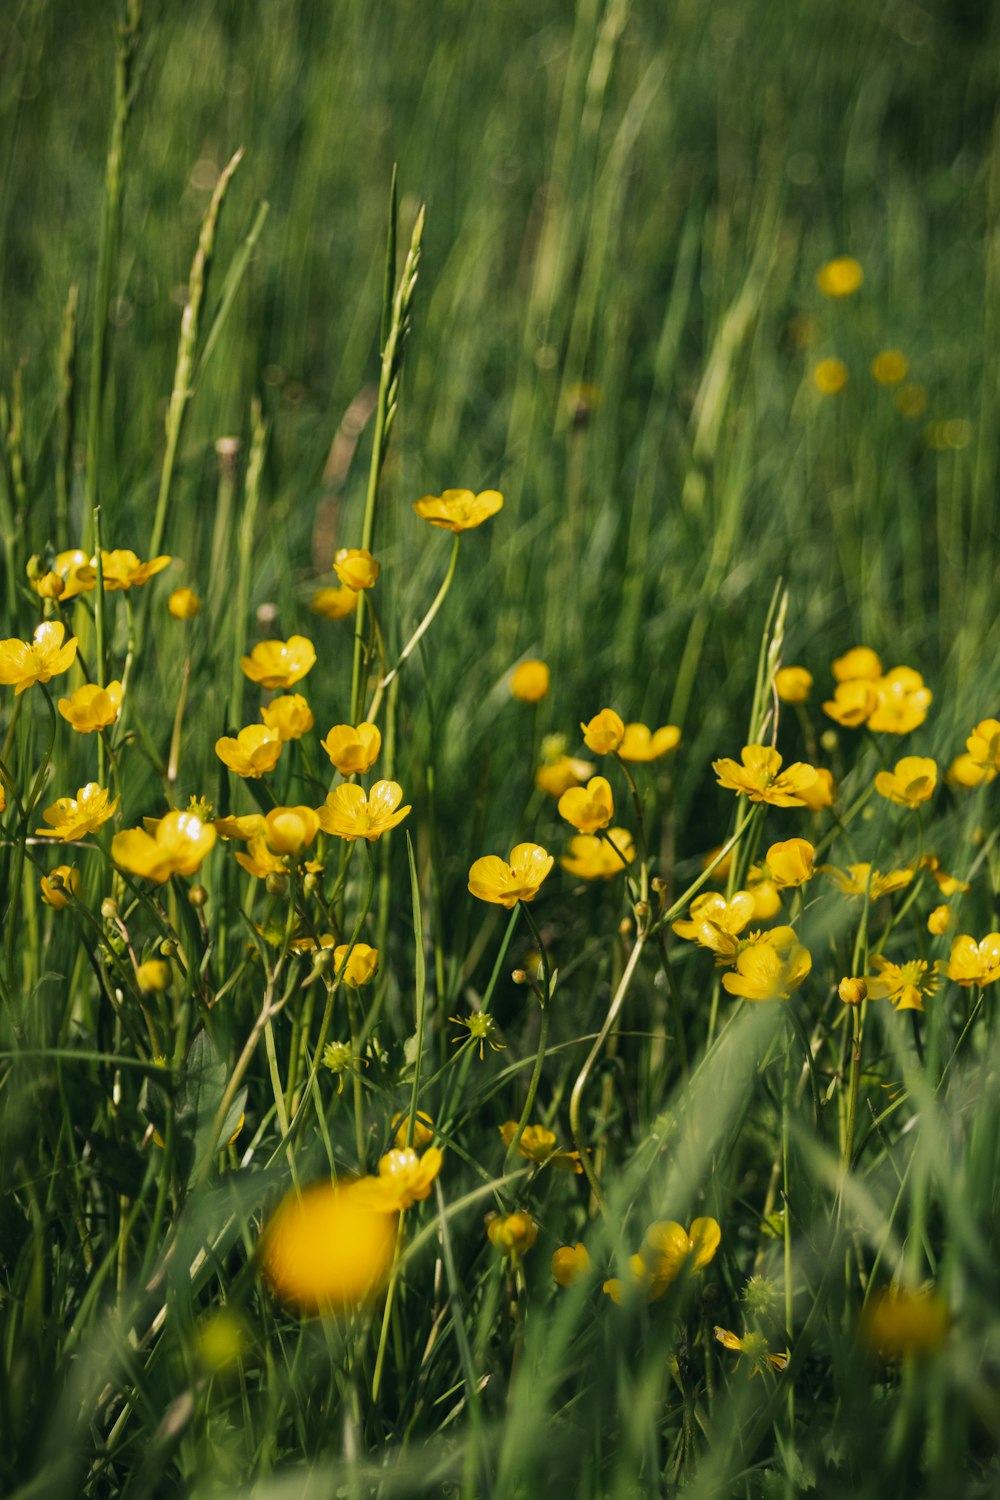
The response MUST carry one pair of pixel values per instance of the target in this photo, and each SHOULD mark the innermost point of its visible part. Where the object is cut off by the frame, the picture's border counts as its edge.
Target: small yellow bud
(939, 920)
(152, 976)
(519, 976)
(198, 896)
(184, 604)
(852, 991)
(109, 909)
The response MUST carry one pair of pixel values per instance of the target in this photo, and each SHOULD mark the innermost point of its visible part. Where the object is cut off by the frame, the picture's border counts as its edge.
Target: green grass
(633, 199)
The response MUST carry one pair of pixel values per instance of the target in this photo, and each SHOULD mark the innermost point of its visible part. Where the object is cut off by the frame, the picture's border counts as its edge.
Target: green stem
(543, 1038)
(418, 634)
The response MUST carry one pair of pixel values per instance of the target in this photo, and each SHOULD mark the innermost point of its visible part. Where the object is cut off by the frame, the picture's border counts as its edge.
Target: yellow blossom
(793, 684)
(788, 864)
(753, 1347)
(92, 707)
(530, 680)
(74, 817)
(279, 664)
(60, 886)
(588, 808)
(763, 972)
(290, 830)
(822, 792)
(901, 702)
(254, 750)
(594, 858)
(184, 604)
(249, 826)
(360, 966)
(761, 779)
(890, 366)
(557, 776)
(353, 751)
(177, 846)
(643, 744)
(852, 991)
(903, 984)
(766, 897)
(349, 814)
(404, 1178)
(327, 1246)
(983, 748)
(153, 976)
(570, 1263)
(45, 656)
(940, 919)
(948, 885)
(900, 1324)
(975, 963)
(482, 1029)
(512, 1234)
(710, 916)
(859, 662)
(964, 772)
(668, 1251)
(260, 860)
(539, 1144)
(122, 569)
(911, 783)
(67, 567)
(852, 702)
(459, 510)
(604, 732)
(861, 879)
(335, 603)
(356, 568)
(830, 376)
(423, 1132)
(291, 716)
(840, 277)
(505, 884)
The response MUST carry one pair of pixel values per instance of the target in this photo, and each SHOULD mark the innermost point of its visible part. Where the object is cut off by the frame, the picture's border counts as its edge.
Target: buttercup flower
(964, 772)
(569, 1263)
(75, 817)
(492, 879)
(901, 702)
(349, 814)
(983, 748)
(67, 567)
(900, 1324)
(291, 716)
(852, 991)
(353, 751)
(643, 744)
(710, 916)
(482, 1029)
(178, 844)
(792, 684)
(890, 367)
(753, 1347)
(852, 702)
(362, 963)
(668, 1250)
(254, 750)
(604, 732)
(903, 984)
(911, 783)
(92, 707)
(940, 919)
(328, 1246)
(593, 858)
(859, 662)
(822, 792)
(557, 776)
(260, 860)
(761, 779)
(279, 664)
(840, 277)
(830, 376)
(975, 963)
(290, 830)
(539, 1144)
(60, 886)
(788, 864)
(423, 1132)
(763, 972)
(335, 604)
(529, 681)
(459, 510)
(766, 896)
(404, 1178)
(861, 879)
(513, 1234)
(45, 656)
(588, 808)
(153, 976)
(184, 604)
(356, 568)
(249, 826)
(122, 569)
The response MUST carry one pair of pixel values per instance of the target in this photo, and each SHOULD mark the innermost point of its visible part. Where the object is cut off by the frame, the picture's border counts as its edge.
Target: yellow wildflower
(668, 1250)
(764, 972)
(975, 963)
(766, 897)
(279, 664)
(356, 568)
(60, 886)
(153, 976)
(861, 879)
(983, 748)
(557, 776)
(710, 916)
(459, 510)
(900, 1324)
(404, 1178)
(482, 1029)
(594, 858)
(221, 1341)
(290, 830)
(570, 1263)
(588, 808)
(349, 814)
(859, 662)
(753, 1347)
(184, 604)
(787, 864)
(340, 1058)
(67, 567)
(911, 783)
(254, 750)
(822, 792)
(249, 826)
(92, 707)
(964, 772)
(423, 1132)
(852, 991)
(177, 846)
(360, 966)
(840, 277)
(940, 919)
(761, 779)
(830, 376)
(353, 751)
(122, 569)
(512, 1234)
(903, 984)
(793, 684)
(45, 656)
(291, 716)
(74, 817)
(604, 732)
(641, 743)
(901, 702)
(505, 884)
(852, 702)
(335, 603)
(529, 681)
(327, 1246)
(539, 1144)
(890, 367)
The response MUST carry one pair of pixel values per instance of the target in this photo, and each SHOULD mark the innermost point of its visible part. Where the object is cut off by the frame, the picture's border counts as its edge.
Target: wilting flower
(184, 604)
(840, 277)
(830, 376)
(570, 1263)
(290, 830)
(361, 963)
(604, 732)
(787, 864)
(668, 1250)
(594, 858)
(45, 656)
(711, 917)
(861, 880)
(557, 776)
(353, 751)
(764, 971)
(482, 1029)
(903, 984)
(92, 707)
(335, 604)
(177, 845)
(513, 1234)
(291, 716)
(504, 884)
(900, 1324)
(327, 1246)
(122, 569)
(404, 1178)
(643, 744)
(529, 681)
(254, 750)
(901, 702)
(349, 814)
(423, 1132)
(753, 1348)
(356, 568)
(459, 510)
(911, 783)
(539, 1144)
(859, 662)
(74, 817)
(792, 684)
(60, 886)
(761, 779)
(975, 963)
(588, 808)
(890, 366)
(279, 664)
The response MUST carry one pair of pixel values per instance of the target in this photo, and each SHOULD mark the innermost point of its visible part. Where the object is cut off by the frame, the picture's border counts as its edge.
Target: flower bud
(276, 884)
(153, 975)
(198, 896)
(109, 909)
(519, 976)
(168, 948)
(852, 991)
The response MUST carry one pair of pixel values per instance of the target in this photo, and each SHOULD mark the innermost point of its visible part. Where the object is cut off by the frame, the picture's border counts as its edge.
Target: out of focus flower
(911, 400)
(852, 702)
(859, 662)
(983, 748)
(594, 858)
(830, 376)
(45, 656)
(184, 604)
(539, 1144)
(900, 1324)
(349, 814)
(92, 707)
(890, 366)
(68, 566)
(335, 604)
(512, 1234)
(861, 879)
(356, 568)
(60, 886)
(904, 984)
(557, 776)
(668, 1250)
(253, 752)
(901, 702)
(588, 808)
(852, 991)
(75, 817)
(972, 963)
(643, 744)
(529, 681)
(177, 846)
(404, 1178)
(291, 716)
(327, 1246)
(504, 884)
(570, 1263)
(353, 751)
(911, 783)
(793, 684)
(423, 1132)
(840, 277)
(122, 569)
(822, 793)
(761, 779)
(940, 919)
(221, 1341)
(753, 1349)
(153, 976)
(279, 664)
(459, 510)
(604, 732)
(711, 915)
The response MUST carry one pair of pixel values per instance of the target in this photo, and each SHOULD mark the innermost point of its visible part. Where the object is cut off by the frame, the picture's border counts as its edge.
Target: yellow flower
(964, 772)
(604, 732)
(593, 858)
(23, 663)
(512, 1234)
(911, 783)
(353, 751)
(859, 662)
(60, 886)
(349, 814)
(588, 808)
(903, 984)
(327, 1246)
(570, 1263)
(559, 775)
(482, 1029)
(153, 976)
(529, 681)
(975, 963)
(291, 716)
(763, 972)
(940, 919)
(890, 367)
(538, 1144)
(761, 778)
(459, 510)
(852, 991)
(766, 897)
(840, 277)
(901, 702)
(861, 879)
(911, 400)
(74, 817)
(356, 568)
(830, 376)
(178, 844)
(668, 1250)
(122, 569)
(360, 966)
(335, 604)
(492, 879)
(423, 1132)
(67, 567)
(792, 684)
(92, 707)
(983, 748)
(852, 702)
(640, 743)
(290, 830)
(711, 916)
(249, 826)
(822, 793)
(753, 1347)
(404, 1178)
(254, 750)
(900, 1324)
(279, 664)
(221, 1341)
(788, 864)
(184, 604)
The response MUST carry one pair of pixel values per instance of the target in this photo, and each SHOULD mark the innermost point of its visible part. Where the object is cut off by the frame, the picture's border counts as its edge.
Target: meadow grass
(268, 275)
